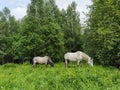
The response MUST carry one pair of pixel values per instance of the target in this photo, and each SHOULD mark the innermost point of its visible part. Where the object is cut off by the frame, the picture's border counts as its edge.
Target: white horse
(43, 60)
(77, 56)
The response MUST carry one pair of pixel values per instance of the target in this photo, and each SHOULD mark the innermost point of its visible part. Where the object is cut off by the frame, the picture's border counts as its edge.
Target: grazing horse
(43, 60)
(77, 56)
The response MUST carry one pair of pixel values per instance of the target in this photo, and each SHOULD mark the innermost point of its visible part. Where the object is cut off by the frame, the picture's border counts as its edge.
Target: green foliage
(53, 40)
(8, 27)
(45, 30)
(71, 28)
(26, 77)
(102, 32)
(39, 34)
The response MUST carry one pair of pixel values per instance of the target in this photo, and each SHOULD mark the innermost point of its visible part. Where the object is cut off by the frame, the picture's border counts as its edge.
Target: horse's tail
(33, 61)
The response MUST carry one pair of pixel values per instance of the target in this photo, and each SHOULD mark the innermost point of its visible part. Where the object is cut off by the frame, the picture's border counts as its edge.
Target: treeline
(47, 30)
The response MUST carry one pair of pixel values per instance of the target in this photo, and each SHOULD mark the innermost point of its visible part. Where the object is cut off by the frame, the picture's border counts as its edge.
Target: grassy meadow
(25, 77)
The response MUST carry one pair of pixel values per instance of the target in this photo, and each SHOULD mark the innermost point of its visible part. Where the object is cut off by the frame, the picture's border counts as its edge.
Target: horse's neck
(86, 57)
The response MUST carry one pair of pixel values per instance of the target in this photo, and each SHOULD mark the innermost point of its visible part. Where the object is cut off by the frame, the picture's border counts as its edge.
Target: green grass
(25, 77)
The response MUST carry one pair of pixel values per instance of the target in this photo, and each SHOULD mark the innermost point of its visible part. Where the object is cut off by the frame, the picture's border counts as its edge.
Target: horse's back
(39, 59)
(71, 56)
(68, 55)
(36, 58)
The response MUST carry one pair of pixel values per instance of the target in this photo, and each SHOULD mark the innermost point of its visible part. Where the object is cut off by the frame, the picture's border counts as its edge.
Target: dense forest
(47, 30)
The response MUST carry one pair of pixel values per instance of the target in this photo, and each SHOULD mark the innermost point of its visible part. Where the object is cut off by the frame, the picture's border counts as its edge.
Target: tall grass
(25, 77)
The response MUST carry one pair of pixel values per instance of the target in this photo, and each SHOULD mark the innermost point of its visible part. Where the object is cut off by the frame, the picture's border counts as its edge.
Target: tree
(39, 34)
(102, 32)
(53, 40)
(8, 27)
(72, 28)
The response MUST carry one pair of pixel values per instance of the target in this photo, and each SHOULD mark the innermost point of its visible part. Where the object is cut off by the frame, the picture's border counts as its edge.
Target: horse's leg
(46, 64)
(78, 62)
(66, 63)
(34, 64)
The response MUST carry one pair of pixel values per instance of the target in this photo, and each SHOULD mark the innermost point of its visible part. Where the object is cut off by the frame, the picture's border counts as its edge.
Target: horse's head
(50, 62)
(90, 62)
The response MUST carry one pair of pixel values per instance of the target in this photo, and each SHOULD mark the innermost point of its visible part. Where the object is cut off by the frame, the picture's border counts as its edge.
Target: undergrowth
(25, 77)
